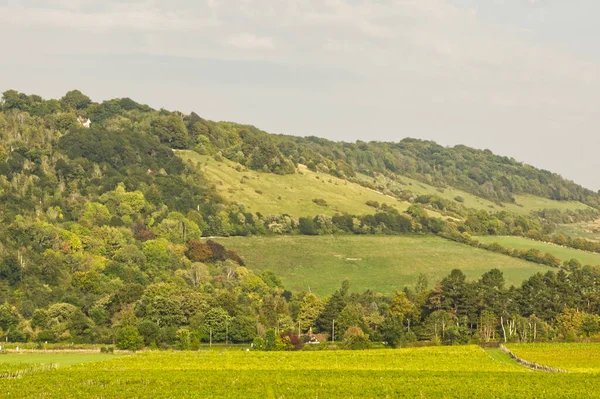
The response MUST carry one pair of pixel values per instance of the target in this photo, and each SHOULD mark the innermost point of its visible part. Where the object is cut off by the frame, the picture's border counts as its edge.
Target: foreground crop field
(586, 258)
(380, 263)
(451, 372)
(575, 357)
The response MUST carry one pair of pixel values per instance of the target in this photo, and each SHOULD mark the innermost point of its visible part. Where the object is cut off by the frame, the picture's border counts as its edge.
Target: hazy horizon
(518, 77)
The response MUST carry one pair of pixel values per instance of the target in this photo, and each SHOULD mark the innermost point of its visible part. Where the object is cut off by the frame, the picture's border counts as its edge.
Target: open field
(573, 357)
(268, 193)
(562, 253)
(434, 372)
(60, 359)
(380, 263)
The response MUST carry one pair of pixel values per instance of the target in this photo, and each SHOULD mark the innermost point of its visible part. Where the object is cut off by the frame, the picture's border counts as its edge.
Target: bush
(258, 344)
(129, 338)
(459, 198)
(107, 349)
(320, 202)
(355, 338)
(373, 204)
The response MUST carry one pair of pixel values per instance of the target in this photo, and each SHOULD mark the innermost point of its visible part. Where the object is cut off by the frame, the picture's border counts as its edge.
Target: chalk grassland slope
(380, 263)
(524, 204)
(292, 194)
(586, 258)
(529, 202)
(573, 357)
(434, 372)
(587, 230)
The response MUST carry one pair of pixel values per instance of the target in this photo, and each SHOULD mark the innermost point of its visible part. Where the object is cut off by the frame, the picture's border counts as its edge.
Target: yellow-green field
(586, 258)
(380, 263)
(434, 372)
(573, 357)
(268, 193)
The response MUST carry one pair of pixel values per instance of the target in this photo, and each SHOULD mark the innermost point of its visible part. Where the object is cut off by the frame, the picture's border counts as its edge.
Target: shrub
(128, 338)
(373, 204)
(320, 202)
(355, 338)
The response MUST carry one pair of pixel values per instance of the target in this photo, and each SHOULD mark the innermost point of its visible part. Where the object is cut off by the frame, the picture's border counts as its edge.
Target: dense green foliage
(102, 226)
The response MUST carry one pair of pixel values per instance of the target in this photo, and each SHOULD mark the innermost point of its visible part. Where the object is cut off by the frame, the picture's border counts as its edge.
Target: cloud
(248, 41)
(135, 16)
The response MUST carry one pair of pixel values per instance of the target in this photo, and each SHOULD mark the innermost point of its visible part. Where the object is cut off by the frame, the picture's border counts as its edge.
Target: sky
(518, 77)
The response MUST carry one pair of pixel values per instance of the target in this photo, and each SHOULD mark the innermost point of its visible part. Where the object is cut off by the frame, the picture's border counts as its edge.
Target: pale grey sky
(520, 77)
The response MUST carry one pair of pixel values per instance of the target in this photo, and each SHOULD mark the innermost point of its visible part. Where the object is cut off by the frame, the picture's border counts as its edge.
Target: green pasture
(381, 263)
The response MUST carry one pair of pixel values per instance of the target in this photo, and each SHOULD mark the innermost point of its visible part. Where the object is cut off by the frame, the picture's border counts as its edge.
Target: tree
(333, 307)
(243, 329)
(394, 333)
(307, 227)
(349, 317)
(170, 130)
(310, 308)
(8, 317)
(401, 307)
(149, 330)
(569, 323)
(355, 338)
(487, 325)
(75, 99)
(216, 323)
(10, 270)
(129, 338)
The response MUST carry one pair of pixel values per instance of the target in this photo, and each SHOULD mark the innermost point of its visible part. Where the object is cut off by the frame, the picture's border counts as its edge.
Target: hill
(103, 227)
(381, 264)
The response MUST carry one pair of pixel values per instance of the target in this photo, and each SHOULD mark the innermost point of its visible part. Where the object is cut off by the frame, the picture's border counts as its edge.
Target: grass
(524, 205)
(61, 359)
(573, 357)
(562, 253)
(587, 230)
(434, 372)
(533, 203)
(499, 356)
(380, 263)
(268, 193)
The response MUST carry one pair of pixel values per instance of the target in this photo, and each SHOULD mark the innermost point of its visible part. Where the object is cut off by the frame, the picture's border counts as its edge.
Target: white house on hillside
(85, 122)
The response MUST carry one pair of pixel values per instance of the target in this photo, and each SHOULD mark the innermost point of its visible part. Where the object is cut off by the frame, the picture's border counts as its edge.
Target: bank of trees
(101, 236)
